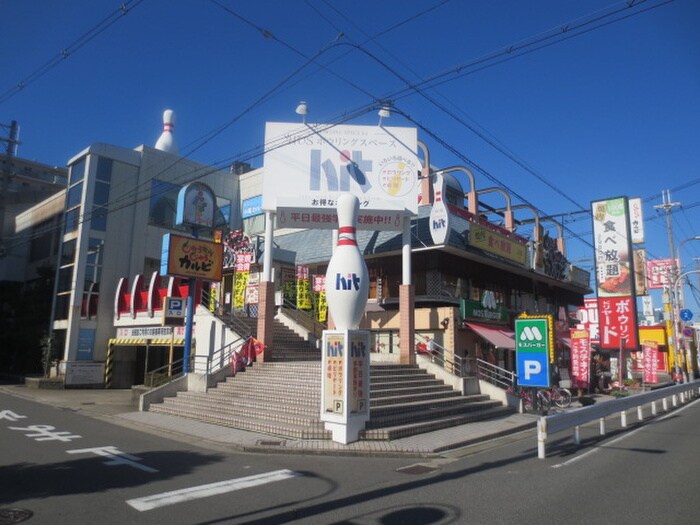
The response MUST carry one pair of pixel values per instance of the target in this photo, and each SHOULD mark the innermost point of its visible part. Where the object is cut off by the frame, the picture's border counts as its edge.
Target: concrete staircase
(287, 345)
(283, 399)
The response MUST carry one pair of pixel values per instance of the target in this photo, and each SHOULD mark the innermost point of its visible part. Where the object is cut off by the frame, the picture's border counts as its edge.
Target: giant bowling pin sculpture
(166, 141)
(347, 280)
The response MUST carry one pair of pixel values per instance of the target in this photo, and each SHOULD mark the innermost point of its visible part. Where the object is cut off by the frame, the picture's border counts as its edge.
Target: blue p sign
(532, 352)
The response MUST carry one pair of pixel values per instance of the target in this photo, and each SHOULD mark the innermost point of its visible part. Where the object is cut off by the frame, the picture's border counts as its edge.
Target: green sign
(476, 310)
(532, 352)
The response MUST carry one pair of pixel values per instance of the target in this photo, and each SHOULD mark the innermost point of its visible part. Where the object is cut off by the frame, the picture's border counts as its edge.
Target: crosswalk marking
(211, 489)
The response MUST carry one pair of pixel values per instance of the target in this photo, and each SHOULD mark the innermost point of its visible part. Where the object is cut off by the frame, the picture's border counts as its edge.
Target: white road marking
(210, 489)
(623, 436)
(116, 457)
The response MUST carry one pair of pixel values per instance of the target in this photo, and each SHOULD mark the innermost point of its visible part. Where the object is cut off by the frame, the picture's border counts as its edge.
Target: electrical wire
(74, 46)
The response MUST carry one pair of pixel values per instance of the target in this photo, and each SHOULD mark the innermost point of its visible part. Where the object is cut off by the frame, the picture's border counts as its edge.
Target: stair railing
(230, 318)
(495, 375)
(304, 319)
(165, 374)
(438, 354)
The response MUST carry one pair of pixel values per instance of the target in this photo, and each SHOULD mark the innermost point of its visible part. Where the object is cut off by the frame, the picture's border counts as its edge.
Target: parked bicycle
(534, 400)
(561, 397)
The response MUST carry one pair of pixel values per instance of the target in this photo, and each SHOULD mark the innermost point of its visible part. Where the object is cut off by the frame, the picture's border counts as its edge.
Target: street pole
(667, 206)
(677, 332)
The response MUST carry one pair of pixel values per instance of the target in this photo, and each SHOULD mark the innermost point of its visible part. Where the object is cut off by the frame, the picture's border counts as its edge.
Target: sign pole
(189, 319)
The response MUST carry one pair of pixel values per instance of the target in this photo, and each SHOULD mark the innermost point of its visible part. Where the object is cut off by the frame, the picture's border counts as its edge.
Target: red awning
(498, 337)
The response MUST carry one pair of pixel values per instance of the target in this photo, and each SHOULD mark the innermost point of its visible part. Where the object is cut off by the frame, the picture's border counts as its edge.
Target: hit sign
(532, 352)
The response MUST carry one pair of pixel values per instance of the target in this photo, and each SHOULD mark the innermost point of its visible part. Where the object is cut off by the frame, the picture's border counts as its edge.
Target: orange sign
(189, 257)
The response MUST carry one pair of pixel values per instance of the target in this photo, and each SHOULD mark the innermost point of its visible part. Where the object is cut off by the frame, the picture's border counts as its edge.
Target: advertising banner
(640, 271)
(659, 273)
(636, 220)
(617, 307)
(532, 347)
(588, 318)
(303, 288)
(307, 166)
(651, 361)
(618, 322)
(498, 244)
(580, 358)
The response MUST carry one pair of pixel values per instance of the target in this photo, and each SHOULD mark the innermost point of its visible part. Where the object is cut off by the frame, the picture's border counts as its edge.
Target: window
(77, 171)
(100, 198)
(68, 252)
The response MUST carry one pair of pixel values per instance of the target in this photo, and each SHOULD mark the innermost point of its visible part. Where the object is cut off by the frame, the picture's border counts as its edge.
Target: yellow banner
(239, 286)
(497, 243)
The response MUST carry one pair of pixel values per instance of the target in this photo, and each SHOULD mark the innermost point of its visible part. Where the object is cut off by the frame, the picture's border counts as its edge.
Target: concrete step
(415, 428)
(234, 410)
(246, 423)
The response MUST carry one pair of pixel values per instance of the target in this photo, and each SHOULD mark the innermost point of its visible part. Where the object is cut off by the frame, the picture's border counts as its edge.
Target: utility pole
(671, 305)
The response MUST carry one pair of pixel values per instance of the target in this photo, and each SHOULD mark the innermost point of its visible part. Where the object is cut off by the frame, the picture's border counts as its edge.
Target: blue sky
(606, 108)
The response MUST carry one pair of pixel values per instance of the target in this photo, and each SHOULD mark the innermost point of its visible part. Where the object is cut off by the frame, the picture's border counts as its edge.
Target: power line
(68, 51)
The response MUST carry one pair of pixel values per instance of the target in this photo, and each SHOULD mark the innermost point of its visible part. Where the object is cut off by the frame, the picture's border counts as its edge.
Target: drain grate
(270, 442)
(11, 516)
(416, 469)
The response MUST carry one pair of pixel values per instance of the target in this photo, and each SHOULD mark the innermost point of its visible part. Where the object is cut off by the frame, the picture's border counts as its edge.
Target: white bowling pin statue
(439, 216)
(166, 141)
(347, 279)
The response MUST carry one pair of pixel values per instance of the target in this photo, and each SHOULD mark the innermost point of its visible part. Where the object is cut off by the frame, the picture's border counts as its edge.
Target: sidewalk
(115, 406)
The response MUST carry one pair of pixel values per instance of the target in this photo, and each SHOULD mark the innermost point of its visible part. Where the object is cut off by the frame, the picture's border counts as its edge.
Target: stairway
(287, 344)
(283, 399)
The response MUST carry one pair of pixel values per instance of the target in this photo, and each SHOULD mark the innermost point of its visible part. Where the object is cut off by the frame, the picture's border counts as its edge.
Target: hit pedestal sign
(345, 376)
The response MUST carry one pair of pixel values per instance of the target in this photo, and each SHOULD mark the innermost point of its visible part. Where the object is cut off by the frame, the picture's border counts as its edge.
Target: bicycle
(533, 400)
(561, 397)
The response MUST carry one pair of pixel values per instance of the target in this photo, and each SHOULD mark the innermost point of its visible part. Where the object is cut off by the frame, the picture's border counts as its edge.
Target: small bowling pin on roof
(166, 141)
(347, 279)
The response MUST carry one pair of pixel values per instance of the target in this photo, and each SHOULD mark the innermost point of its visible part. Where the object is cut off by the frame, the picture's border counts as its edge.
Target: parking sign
(532, 352)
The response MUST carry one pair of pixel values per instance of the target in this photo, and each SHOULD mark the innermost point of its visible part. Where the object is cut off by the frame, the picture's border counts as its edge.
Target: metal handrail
(456, 366)
(165, 374)
(304, 319)
(495, 375)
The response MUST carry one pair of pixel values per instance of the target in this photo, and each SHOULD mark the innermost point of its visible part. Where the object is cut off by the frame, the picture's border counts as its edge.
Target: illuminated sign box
(191, 258)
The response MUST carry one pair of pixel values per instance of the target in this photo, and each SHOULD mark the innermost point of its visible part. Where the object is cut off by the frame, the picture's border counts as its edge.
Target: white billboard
(307, 166)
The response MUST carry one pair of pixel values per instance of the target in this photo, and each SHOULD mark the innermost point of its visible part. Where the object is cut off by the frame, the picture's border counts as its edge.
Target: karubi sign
(188, 257)
(308, 166)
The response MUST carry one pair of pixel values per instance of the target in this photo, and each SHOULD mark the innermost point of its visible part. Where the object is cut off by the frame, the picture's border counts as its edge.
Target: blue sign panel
(532, 369)
(686, 315)
(251, 207)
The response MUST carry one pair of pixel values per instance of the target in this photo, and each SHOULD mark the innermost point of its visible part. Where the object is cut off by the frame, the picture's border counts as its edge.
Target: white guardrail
(547, 425)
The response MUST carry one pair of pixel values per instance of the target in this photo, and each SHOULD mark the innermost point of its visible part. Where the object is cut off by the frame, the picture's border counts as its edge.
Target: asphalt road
(64, 467)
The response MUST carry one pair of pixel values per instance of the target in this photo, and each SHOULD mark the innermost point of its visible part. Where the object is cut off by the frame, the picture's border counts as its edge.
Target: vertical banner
(303, 288)
(580, 358)
(240, 282)
(636, 220)
(321, 306)
(651, 361)
(614, 274)
(640, 271)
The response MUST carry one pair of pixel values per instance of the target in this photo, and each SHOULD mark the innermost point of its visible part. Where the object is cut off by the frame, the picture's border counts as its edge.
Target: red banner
(580, 358)
(651, 362)
(617, 322)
